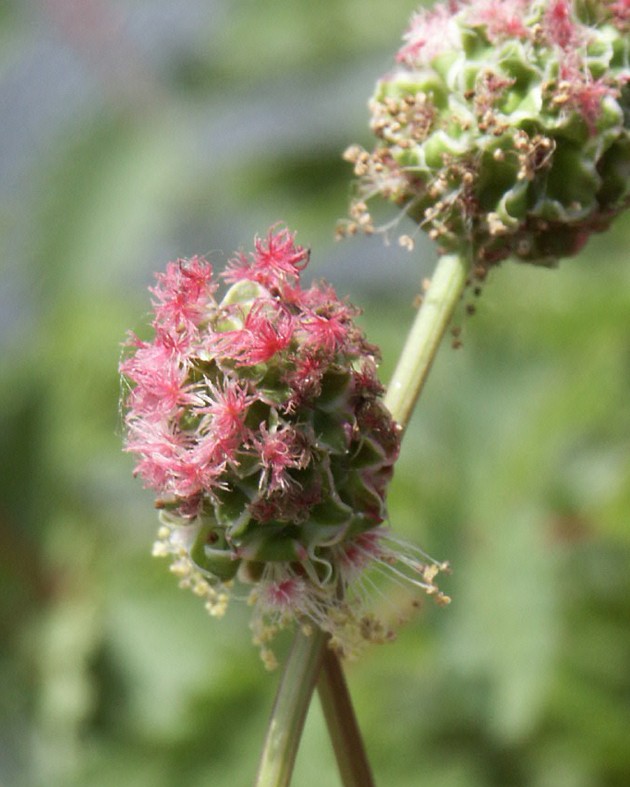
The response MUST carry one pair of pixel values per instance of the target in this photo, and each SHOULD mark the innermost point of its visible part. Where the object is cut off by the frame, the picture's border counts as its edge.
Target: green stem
(289, 711)
(432, 320)
(343, 728)
(309, 653)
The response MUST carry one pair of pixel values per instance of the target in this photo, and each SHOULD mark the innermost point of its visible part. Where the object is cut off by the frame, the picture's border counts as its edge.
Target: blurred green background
(134, 132)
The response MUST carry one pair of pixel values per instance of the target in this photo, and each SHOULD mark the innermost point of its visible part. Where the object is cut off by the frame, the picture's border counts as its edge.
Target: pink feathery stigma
(279, 255)
(226, 407)
(160, 380)
(559, 25)
(501, 18)
(183, 294)
(275, 261)
(326, 333)
(285, 594)
(584, 94)
(279, 451)
(621, 13)
(159, 448)
(430, 33)
(268, 330)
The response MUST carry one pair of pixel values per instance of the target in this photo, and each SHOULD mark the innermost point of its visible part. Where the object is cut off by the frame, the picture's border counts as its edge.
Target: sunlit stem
(421, 346)
(309, 654)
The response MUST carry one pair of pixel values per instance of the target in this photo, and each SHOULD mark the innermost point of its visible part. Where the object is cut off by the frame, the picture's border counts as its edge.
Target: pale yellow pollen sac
(352, 153)
(521, 141)
(496, 225)
(201, 588)
(406, 242)
(373, 630)
(534, 154)
(442, 600)
(180, 568)
(499, 155)
(391, 104)
(429, 572)
(563, 93)
(160, 549)
(438, 187)
(358, 210)
(217, 607)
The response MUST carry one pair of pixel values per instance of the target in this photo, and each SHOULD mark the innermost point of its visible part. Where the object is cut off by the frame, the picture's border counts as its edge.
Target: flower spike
(259, 421)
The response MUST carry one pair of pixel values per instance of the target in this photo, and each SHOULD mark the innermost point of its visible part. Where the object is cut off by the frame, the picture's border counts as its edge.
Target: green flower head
(504, 129)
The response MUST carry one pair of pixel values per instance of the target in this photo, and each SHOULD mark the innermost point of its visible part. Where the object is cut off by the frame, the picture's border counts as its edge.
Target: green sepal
(572, 178)
(334, 387)
(243, 292)
(330, 512)
(271, 387)
(212, 554)
(370, 453)
(232, 509)
(273, 542)
(330, 432)
(360, 495)
(615, 171)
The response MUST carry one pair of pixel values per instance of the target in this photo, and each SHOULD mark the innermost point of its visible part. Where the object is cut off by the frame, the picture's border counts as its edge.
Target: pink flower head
(259, 421)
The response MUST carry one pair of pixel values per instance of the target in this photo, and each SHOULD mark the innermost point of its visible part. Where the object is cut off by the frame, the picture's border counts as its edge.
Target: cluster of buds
(259, 421)
(504, 130)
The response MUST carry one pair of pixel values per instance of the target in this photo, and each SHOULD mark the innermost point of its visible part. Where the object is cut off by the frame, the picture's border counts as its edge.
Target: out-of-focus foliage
(134, 132)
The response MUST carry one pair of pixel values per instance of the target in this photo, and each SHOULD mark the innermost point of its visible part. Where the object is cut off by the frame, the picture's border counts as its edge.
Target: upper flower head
(259, 421)
(504, 129)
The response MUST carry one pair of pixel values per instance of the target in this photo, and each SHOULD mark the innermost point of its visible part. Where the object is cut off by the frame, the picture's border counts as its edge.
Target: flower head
(505, 127)
(259, 421)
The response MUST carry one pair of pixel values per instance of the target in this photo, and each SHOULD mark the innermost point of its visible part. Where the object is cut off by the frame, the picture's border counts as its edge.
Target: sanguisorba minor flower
(259, 421)
(504, 130)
